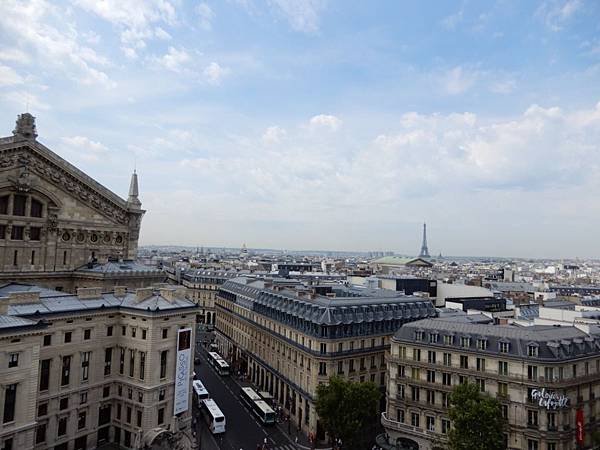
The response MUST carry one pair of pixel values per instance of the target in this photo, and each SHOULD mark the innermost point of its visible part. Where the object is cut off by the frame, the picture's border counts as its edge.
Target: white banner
(182, 370)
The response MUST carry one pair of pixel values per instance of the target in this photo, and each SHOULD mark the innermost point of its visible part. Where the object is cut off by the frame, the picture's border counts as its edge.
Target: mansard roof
(350, 305)
(554, 342)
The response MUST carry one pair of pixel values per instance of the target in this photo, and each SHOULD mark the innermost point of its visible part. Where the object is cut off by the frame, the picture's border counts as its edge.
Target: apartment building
(80, 370)
(288, 338)
(547, 379)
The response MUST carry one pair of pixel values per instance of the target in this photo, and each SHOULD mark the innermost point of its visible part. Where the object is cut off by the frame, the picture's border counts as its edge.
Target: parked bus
(249, 395)
(264, 412)
(213, 416)
(267, 397)
(200, 392)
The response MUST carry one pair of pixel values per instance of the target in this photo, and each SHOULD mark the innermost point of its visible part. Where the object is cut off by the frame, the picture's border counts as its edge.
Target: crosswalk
(286, 447)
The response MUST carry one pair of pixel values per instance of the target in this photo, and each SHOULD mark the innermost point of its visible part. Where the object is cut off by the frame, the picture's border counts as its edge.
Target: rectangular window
(480, 365)
(415, 373)
(431, 357)
(163, 363)
(40, 433)
(62, 426)
(85, 366)
(44, 374)
(142, 365)
(430, 423)
(139, 418)
(416, 354)
(532, 373)
(42, 409)
(322, 368)
(165, 333)
(36, 208)
(448, 359)
(161, 416)
(109, 330)
(415, 393)
(122, 361)
(83, 398)
(445, 426)
(431, 376)
(47, 340)
(10, 398)
(161, 395)
(35, 233)
(66, 370)
(414, 419)
(87, 334)
(532, 418)
(465, 342)
(17, 233)
(400, 415)
(13, 360)
(482, 344)
(128, 414)
(81, 419)
(401, 389)
(68, 337)
(123, 331)
(144, 333)
(19, 202)
(107, 361)
(464, 362)
(503, 389)
(340, 369)
(503, 368)
(447, 379)
(131, 362)
(4, 204)
(63, 403)
(133, 332)
(481, 383)
(430, 397)
(504, 347)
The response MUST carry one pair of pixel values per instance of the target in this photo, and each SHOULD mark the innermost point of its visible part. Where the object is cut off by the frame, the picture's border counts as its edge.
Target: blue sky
(325, 124)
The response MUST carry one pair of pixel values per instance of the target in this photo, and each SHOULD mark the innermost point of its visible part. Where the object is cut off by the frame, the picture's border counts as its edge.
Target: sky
(324, 124)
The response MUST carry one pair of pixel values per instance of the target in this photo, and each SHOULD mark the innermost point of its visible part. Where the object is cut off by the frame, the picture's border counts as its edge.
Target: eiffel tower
(424, 250)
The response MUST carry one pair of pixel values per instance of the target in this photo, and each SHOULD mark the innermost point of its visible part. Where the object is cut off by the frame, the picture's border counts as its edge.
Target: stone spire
(25, 128)
(133, 201)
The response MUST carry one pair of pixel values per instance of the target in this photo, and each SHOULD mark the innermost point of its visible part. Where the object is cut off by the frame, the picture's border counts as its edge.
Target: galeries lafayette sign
(549, 400)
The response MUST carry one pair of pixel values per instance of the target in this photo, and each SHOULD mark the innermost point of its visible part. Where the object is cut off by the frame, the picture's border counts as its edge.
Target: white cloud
(174, 60)
(325, 121)
(136, 19)
(43, 33)
(458, 80)
(452, 21)
(85, 149)
(214, 73)
(21, 100)
(206, 15)
(556, 13)
(162, 34)
(302, 15)
(503, 86)
(8, 77)
(273, 135)
(14, 55)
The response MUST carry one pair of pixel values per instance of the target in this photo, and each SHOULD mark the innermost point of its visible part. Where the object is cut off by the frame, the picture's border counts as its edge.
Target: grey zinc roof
(116, 267)
(58, 302)
(358, 306)
(12, 322)
(553, 342)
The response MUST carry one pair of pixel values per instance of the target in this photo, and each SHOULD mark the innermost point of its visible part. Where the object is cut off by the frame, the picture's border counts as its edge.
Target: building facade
(288, 339)
(80, 370)
(547, 379)
(54, 219)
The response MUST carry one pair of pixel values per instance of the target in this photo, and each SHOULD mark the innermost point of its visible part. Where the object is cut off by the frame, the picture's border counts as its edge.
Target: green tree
(349, 411)
(477, 422)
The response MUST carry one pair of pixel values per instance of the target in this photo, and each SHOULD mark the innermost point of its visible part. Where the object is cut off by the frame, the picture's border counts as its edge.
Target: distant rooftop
(125, 266)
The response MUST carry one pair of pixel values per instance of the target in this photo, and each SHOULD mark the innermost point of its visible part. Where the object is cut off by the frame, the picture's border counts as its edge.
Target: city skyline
(331, 125)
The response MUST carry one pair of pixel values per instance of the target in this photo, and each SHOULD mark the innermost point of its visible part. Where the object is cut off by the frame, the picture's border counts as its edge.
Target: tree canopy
(349, 411)
(477, 422)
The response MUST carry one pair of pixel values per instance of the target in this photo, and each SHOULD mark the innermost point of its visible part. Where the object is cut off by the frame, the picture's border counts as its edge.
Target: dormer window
(504, 347)
(433, 337)
(418, 335)
(448, 339)
(482, 344)
(465, 341)
(532, 350)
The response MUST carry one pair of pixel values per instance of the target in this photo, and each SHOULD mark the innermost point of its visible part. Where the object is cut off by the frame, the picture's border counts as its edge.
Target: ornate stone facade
(54, 218)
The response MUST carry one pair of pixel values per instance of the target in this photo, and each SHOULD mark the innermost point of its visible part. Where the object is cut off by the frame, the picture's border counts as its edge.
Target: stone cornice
(43, 162)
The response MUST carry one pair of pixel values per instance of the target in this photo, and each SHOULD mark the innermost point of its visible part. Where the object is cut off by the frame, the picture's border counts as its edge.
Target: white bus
(200, 392)
(249, 395)
(214, 417)
(222, 367)
(264, 412)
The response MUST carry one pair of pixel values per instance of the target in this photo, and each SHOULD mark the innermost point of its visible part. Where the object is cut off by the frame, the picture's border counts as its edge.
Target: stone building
(80, 370)
(547, 379)
(56, 220)
(289, 338)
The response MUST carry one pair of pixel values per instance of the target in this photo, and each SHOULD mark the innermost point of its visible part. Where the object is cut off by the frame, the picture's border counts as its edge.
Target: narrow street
(243, 431)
